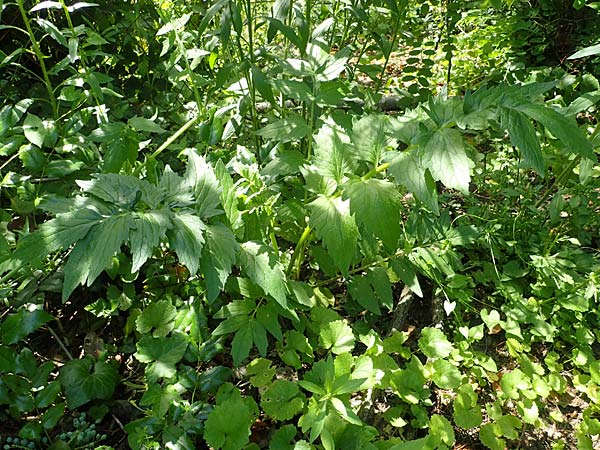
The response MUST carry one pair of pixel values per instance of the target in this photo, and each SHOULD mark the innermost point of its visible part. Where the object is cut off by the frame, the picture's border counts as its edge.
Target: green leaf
(187, 239)
(162, 353)
(369, 137)
(434, 344)
(523, 136)
(201, 178)
(445, 155)
(337, 336)
(592, 50)
(445, 375)
(441, 429)
(290, 128)
(360, 289)
(83, 380)
(513, 382)
(564, 128)
(219, 255)
(408, 170)
(52, 416)
(17, 326)
(467, 412)
(406, 272)
(376, 206)
(261, 371)
(159, 316)
(149, 228)
(333, 154)
(264, 269)
(34, 130)
(337, 228)
(282, 400)
(228, 195)
(143, 124)
(489, 434)
(227, 426)
(242, 343)
(106, 238)
(160, 399)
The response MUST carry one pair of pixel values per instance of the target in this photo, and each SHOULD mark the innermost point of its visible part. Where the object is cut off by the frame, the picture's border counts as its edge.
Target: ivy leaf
(337, 336)
(408, 170)
(159, 315)
(83, 380)
(219, 255)
(16, 326)
(523, 136)
(162, 353)
(227, 431)
(445, 375)
(376, 206)
(187, 239)
(264, 269)
(434, 344)
(467, 413)
(282, 400)
(337, 228)
(446, 157)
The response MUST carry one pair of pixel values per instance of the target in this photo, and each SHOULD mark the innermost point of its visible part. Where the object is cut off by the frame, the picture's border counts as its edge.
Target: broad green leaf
(379, 279)
(592, 50)
(241, 343)
(143, 124)
(259, 336)
(446, 157)
(187, 239)
(227, 427)
(161, 353)
(149, 228)
(489, 434)
(565, 129)
(513, 382)
(344, 411)
(523, 136)
(260, 371)
(52, 416)
(122, 190)
(160, 399)
(219, 255)
(291, 128)
(408, 170)
(201, 177)
(337, 228)
(83, 265)
(376, 206)
(282, 400)
(337, 336)
(360, 289)
(406, 272)
(83, 380)
(8, 358)
(434, 344)
(467, 412)
(369, 137)
(333, 153)
(441, 429)
(34, 130)
(159, 317)
(228, 196)
(445, 375)
(264, 269)
(17, 326)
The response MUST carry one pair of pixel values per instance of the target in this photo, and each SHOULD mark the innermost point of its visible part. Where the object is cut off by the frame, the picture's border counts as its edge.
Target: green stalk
(298, 251)
(40, 57)
(174, 136)
(375, 171)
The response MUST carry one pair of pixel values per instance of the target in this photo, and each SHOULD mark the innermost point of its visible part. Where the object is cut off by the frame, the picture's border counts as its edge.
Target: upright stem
(40, 57)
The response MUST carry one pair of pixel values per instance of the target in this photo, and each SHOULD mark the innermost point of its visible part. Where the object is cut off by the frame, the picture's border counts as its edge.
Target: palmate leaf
(264, 269)
(162, 353)
(445, 156)
(187, 239)
(84, 380)
(106, 238)
(201, 178)
(376, 206)
(334, 224)
(144, 237)
(219, 255)
(407, 170)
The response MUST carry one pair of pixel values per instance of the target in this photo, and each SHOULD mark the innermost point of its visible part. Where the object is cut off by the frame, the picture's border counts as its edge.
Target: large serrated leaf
(264, 269)
(149, 228)
(333, 153)
(16, 326)
(187, 239)
(204, 183)
(334, 224)
(376, 206)
(407, 170)
(446, 157)
(291, 128)
(523, 136)
(219, 255)
(162, 353)
(369, 137)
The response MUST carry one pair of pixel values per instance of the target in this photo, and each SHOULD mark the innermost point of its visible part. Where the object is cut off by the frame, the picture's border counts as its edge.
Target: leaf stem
(175, 136)
(298, 250)
(375, 171)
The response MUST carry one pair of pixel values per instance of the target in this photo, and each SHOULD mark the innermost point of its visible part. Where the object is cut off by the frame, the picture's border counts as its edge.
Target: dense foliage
(367, 225)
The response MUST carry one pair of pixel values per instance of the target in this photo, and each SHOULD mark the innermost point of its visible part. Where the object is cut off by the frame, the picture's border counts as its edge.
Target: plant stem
(174, 136)
(375, 171)
(40, 57)
(298, 250)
